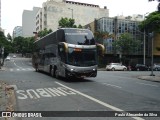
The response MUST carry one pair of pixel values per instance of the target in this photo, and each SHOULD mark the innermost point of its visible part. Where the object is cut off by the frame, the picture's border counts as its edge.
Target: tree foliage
(44, 32)
(100, 36)
(5, 43)
(68, 23)
(9, 38)
(23, 45)
(125, 44)
(151, 23)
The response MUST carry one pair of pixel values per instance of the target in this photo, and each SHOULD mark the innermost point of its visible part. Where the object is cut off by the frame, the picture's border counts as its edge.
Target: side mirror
(100, 49)
(64, 46)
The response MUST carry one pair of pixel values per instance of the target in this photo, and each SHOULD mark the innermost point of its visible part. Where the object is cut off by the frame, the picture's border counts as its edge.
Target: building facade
(119, 25)
(17, 31)
(53, 10)
(29, 22)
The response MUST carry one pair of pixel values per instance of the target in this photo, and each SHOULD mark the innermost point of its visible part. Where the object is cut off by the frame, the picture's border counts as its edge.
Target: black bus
(67, 52)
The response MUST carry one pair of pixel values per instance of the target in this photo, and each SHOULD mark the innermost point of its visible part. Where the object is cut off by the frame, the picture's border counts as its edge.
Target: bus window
(61, 52)
(42, 59)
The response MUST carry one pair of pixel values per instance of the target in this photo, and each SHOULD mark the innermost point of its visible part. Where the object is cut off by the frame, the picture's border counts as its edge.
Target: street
(109, 91)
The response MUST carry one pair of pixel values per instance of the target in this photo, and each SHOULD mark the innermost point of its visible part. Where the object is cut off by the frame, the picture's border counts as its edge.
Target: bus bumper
(81, 74)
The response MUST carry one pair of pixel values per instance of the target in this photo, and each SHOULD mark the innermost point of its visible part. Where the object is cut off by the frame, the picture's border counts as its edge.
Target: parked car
(8, 58)
(14, 56)
(116, 66)
(140, 67)
(156, 67)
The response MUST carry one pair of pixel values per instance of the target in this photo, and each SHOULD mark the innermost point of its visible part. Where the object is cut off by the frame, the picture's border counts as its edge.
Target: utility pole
(144, 42)
(152, 55)
(72, 11)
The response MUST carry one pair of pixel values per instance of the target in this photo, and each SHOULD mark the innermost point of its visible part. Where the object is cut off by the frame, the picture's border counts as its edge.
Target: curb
(150, 78)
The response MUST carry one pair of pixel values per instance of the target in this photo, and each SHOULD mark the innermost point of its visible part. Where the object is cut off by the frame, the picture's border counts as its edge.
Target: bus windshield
(79, 37)
(82, 57)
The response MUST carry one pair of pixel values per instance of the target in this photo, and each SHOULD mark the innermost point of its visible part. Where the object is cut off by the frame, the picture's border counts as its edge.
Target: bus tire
(36, 68)
(52, 72)
(56, 74)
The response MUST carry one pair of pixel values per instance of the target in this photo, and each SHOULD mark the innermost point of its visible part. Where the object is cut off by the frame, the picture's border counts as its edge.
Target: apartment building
(53, 10)
(29, 22)
(17, 31)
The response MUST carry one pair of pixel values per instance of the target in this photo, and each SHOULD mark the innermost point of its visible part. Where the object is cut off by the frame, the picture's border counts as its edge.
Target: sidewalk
(7, 99)
(143, 77)
(150, 78)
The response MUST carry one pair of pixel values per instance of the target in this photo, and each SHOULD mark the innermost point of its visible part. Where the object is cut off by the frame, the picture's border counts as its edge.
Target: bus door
(41, 62)
(62, 59)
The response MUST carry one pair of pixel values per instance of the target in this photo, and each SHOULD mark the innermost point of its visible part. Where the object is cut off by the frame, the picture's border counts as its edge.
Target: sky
(11, 10)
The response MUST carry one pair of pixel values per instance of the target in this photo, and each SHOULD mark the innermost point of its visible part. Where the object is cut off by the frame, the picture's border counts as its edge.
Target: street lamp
(152, 35)
(72, 11)
(144, 42)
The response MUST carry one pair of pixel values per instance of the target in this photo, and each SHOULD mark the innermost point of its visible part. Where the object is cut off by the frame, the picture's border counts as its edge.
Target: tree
(4, 43)
(100, 36)
(18, 43)
(152, 24)
(68, 22)
(44, 32)
(23, 45)
(125, 44)
(9, 38)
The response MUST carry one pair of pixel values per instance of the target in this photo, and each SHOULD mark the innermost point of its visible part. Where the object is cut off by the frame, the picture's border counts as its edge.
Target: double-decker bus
(67, 52)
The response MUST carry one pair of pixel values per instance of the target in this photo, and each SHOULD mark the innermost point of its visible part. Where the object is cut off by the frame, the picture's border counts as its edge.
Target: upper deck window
(79, 37)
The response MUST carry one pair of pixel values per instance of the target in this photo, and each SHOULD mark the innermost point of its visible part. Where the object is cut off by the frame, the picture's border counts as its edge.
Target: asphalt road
(109, 91)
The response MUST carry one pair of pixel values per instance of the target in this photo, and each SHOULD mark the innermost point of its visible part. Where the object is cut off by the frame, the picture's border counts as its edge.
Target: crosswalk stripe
(26, 69)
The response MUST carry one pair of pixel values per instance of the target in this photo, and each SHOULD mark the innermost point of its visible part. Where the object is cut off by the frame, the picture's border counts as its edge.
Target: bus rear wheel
(52, 73)
(56, 74)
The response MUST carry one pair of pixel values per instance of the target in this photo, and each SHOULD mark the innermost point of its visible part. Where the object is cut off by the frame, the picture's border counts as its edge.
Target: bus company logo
(6, 114)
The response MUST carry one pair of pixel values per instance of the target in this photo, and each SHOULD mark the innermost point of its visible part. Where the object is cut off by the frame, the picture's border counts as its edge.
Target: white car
(8, 58)
(156, 67)
(14, 56)
(116, 66)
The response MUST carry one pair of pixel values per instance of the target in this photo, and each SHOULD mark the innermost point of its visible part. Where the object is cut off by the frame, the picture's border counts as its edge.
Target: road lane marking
(17, 65)
(43, 92)
(112, 85)
(148, 84)
(97, 101)
(14, 86)
(26, 69)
